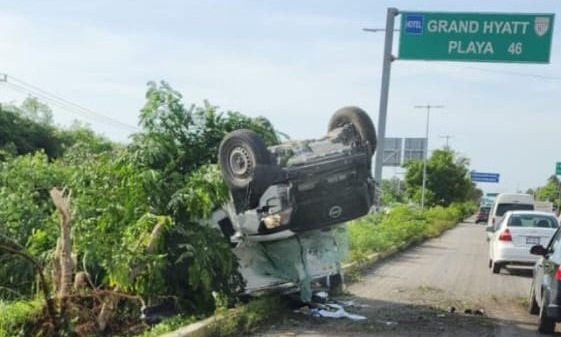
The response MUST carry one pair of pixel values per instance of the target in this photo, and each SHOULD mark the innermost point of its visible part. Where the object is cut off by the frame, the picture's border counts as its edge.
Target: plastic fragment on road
(350, 303)
(337, 311)
(328, 311)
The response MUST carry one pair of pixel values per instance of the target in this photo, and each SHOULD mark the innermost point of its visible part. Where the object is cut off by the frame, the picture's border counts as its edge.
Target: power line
(74, 108)
(507, 72)
(66, 107)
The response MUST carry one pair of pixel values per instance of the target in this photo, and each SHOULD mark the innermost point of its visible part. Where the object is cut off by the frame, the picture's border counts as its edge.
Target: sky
(293, 62)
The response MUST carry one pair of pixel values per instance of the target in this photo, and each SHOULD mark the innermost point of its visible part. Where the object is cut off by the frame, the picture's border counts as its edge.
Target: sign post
(484, 37)
(385, 88)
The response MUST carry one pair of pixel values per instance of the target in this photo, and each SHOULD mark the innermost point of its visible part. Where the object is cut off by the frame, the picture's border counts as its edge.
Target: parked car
(483, 215)
(512, 238)
(299, 185)
(545, 292)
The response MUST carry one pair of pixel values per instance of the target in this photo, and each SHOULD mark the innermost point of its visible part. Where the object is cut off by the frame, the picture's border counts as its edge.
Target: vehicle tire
(496, 267)
(546, 325)
(533, 307)
(360, 121)
(246, 165)
(241, 152)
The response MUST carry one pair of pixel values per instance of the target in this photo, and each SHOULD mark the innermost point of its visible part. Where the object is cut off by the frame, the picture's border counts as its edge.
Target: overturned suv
(296, 186)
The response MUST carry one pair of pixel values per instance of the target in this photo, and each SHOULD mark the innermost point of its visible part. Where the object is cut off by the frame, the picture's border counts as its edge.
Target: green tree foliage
(26, 216)
(393, 191)
(33, 109)
(28, 128)
(447, 179)
(136, 210)
(550, 191)
(20, 135)
(178, 147)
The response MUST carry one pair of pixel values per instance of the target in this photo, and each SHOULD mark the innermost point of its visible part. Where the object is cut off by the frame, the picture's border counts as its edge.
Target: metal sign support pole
(384, 90)
(425, 159)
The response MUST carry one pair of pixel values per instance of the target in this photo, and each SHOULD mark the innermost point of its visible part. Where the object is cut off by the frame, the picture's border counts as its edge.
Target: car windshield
(484, 209)
(503, 208)
(532, 220)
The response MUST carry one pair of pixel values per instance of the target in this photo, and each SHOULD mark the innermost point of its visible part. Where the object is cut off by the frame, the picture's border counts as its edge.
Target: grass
(372, 234)
(402, 225)
(15, 315)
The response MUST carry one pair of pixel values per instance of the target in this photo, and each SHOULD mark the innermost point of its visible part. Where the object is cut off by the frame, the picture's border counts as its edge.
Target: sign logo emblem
(335, 212)
(541, 25)
(414, 24)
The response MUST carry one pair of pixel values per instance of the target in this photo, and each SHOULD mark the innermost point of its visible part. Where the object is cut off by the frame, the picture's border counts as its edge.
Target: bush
(15, 315)
(401, 225)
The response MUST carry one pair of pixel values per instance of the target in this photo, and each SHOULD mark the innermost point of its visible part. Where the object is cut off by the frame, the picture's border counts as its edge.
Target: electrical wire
(506, 72)
(21, 86)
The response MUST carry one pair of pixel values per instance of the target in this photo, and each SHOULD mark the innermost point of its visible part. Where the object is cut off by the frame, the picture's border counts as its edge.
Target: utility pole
(447, 137)
(384, 90)
(428, 107)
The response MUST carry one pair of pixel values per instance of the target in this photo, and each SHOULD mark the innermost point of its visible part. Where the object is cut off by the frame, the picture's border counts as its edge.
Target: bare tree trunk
(62, 204)
(57, 273)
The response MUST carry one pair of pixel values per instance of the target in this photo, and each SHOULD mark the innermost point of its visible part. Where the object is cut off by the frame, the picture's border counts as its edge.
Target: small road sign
(558, 168)
(488, 37)
(482, 177)
(392, 151)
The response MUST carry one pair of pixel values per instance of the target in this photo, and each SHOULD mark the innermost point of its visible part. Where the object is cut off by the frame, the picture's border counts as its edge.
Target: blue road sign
(482, 177)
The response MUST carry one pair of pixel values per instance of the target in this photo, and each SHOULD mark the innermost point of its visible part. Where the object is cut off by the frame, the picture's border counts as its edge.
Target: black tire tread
(546, 325)
(496, 267)
(252, 142)
(533, 307)
(360, 121)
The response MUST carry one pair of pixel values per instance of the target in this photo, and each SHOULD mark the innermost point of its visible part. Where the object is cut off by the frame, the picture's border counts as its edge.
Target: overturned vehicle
(289, 202)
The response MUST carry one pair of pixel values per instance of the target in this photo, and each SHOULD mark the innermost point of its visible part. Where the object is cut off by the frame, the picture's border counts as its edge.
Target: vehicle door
(547, 265)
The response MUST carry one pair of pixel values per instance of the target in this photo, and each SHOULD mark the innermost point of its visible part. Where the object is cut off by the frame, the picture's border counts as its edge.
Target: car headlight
(278, 219)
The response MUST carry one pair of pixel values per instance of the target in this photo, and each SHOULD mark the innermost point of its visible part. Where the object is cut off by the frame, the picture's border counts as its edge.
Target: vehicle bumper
(515, 255)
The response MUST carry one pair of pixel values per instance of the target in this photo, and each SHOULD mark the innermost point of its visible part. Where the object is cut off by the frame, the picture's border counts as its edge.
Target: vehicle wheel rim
(240, 162)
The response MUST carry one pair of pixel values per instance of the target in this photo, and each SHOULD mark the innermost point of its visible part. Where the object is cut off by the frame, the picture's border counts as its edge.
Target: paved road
(410, 295)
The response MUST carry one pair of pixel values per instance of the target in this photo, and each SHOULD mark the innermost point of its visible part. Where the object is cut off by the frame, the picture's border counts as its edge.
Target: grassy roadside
(379, 232)
(375, 233)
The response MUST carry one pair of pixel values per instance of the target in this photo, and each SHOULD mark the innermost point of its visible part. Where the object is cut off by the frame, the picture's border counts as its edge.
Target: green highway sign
(558, 168)
(487, 37)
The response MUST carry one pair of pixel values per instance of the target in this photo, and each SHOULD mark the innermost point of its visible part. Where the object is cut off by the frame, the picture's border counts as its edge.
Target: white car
(512, 238)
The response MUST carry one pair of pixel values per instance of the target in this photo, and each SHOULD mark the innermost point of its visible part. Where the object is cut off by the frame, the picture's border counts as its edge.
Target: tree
(20, 135)
(550, 191)
(447, 179)
(36, 111)
(393, 191)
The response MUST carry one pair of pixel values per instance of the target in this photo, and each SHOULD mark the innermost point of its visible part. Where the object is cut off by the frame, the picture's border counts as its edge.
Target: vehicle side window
(554, 243)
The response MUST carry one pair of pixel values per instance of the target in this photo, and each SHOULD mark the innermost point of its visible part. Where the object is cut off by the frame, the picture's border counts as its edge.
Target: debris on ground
(323, 306)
